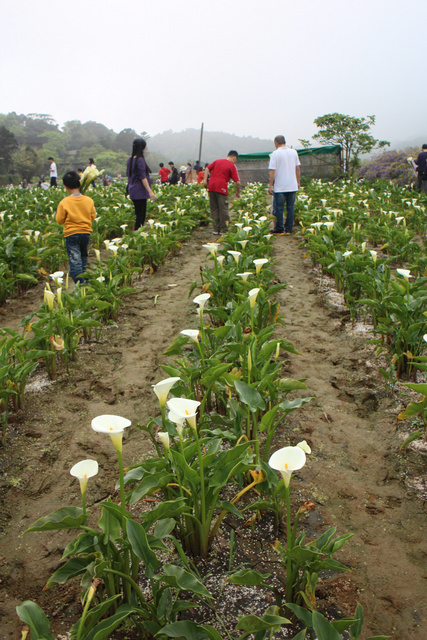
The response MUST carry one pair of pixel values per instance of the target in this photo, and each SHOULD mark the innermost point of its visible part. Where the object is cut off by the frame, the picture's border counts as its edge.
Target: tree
(351, 133)
(8, 144)
(26, 162)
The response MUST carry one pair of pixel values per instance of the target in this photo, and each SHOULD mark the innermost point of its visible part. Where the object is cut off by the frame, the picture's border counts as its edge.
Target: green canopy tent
(316, 162)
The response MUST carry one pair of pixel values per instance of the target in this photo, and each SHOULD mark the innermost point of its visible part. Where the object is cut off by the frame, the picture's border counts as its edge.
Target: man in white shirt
(53, 172)
(284, 182)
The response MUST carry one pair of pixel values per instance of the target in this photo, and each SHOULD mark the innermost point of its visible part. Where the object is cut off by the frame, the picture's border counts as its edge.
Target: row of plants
(219, 411)
(53, 332)
(371, 239)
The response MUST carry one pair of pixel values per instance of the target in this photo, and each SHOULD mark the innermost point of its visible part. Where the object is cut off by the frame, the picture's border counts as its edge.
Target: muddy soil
(357, 476)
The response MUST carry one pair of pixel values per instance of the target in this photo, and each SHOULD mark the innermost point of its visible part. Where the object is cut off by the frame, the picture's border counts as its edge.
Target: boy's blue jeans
(77, 246)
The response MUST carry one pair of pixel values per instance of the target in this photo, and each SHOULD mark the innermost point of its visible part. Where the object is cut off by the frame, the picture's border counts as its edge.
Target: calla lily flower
(191, 333)
(252, 295)
(98, 254)
(328, 224)
(164, 439)
(236, 254)
(201, 300)
(100, 279)
(220, 260)
(244, 275)
(287, 460)
(238, 224)
(316, 224)
(259, 262)
(304, 446)
(405, 273)
(346, 254)
(162, 388)
(178, 421)
(247, 229)
(374, 255)
(425, 337)
(57, 276)
(243, 243)
(114, 426)
(84, 470)
(184, 408)
(363, 247)
(49, 298)
(212, 247)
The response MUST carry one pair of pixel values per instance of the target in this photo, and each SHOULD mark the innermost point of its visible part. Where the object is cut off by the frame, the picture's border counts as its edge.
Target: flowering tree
(351, 133)
(390, 165)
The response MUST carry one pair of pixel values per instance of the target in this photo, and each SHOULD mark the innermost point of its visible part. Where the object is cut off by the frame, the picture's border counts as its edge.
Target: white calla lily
(287, 460)
(405, 273)
(236, 254)
(184, 408)
(84, 470)
(164, 439)
(114, 426)
(259, 263)
(252, 295)
(191, 333)
(162, 388)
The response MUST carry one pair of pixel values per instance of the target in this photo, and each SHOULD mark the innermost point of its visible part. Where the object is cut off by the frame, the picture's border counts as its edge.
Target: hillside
(183, 147)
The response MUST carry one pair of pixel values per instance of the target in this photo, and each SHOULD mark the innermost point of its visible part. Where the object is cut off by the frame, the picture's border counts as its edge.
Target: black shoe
(277, 233)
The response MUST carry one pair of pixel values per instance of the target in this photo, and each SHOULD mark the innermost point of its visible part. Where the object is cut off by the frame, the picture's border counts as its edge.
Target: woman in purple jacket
(139, 181)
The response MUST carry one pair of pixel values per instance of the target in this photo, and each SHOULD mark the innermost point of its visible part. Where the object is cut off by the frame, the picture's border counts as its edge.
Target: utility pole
(200, 145)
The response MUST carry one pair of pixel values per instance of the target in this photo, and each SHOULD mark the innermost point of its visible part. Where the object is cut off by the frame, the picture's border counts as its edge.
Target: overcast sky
(249, 67)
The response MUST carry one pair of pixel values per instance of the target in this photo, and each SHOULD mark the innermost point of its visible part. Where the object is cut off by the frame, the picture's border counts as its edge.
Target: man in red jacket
(217, 175)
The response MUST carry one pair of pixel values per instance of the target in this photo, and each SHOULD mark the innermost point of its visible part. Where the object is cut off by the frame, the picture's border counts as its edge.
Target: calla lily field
(223, 449)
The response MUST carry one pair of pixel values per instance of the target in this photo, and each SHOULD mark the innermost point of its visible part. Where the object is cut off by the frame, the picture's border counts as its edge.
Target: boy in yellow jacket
(76, 213)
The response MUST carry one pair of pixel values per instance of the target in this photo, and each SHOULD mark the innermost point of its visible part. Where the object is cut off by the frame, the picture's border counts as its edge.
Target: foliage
(26, 162)
(390, 165)
(351, 133)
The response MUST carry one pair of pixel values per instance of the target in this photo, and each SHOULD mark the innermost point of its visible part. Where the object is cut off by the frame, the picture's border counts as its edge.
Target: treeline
(27, 141)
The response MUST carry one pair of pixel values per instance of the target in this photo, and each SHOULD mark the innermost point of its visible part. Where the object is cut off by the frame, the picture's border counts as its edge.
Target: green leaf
(253, 623)
(94, 615)
(31, 614)
(250, 396)
(412, 409)
(70, 569)
(109, 524)
(164, 527)
(288, 384)
(414, 436)
(185, 629)
(181, 579)
(249, 577)
(104, 628)
(357, 627)
(65, 518)
(138, 540)
(291, 405)
(323, 629)
(228, 506)
(267, 419)
(303, 614)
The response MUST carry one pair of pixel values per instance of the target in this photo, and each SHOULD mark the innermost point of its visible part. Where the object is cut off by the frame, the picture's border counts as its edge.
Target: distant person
(53, 173)
(163, 173)
(174, 175)
(92, 165)
(76, 213)
(182, 174)
(284, 182)
(197, 167)
(201, 176)
(139, 181)
(217, 175)
(421, 163)
(188, 174)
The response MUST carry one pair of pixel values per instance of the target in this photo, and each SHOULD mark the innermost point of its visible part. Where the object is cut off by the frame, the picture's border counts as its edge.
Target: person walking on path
(284, 182)
(164, 173)
(217, 176)
(76, 212)
(53, 173)
(139, 181)
(421, 169)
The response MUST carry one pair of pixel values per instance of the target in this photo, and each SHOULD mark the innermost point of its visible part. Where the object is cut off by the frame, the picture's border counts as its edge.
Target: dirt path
(355, 474)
